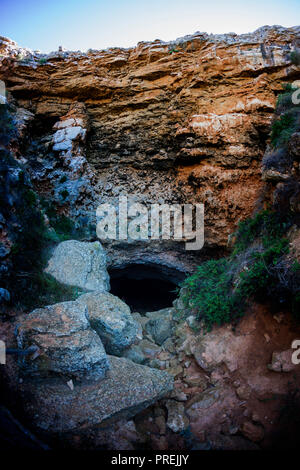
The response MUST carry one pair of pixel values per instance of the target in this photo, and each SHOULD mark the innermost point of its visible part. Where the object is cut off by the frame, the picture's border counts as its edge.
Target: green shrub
(32, 240)
(270, 224)
(295, 267)
(49, 291)
(283, 128)
(64, 226)
(206, 293)
(288, 117)
(219, 290)
(7, 127)
(30, 197)
(284, 100)
(295, 57)
(259, 278)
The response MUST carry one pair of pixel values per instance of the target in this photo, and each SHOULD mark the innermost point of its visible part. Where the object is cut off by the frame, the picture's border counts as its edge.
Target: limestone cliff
(185, 121)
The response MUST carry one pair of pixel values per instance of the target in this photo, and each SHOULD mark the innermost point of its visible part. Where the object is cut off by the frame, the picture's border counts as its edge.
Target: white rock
(81, 264)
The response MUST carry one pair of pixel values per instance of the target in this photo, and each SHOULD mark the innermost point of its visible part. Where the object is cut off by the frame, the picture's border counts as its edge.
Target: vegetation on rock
(287, 117)
(30, 235)
(295, 57)
(219, 291)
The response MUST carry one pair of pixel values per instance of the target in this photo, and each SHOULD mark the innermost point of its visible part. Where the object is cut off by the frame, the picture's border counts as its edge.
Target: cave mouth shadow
(145, 287)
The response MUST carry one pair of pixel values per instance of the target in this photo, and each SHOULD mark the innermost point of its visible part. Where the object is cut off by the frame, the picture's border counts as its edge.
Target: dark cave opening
(145, 288)
(43, 125)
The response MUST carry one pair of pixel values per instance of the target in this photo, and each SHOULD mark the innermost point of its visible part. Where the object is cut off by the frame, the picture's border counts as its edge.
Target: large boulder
(111, 319)
(81, 264)
(127, 389)
(65, 341)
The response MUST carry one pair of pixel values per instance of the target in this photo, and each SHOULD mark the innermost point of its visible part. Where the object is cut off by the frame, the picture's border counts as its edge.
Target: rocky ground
(94, 367)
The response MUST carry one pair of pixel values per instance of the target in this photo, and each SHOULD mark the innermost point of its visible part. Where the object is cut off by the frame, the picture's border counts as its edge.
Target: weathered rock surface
(202, 401)
(135, 354)
(149, 349)
(212, 349)
(81, 264)
(111, 319)
(160, 325)
(282, 361)
(127, 389)
(181, 122)
(65, 340)
(252, 431)
(177, 421)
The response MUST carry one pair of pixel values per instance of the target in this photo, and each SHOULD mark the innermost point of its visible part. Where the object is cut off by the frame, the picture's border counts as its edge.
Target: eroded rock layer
(163, 122)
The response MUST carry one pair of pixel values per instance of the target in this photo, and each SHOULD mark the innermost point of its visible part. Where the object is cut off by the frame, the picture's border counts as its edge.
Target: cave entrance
(145, 288)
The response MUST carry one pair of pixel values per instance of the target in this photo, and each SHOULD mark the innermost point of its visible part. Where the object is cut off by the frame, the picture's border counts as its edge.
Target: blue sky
(75, 24)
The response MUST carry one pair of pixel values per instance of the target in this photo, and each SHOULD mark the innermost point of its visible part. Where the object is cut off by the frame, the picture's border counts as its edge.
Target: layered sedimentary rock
(185, 121)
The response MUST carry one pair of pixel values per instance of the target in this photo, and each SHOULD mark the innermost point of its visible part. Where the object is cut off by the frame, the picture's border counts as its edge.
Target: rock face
(66, 343)
(178, 122)
(111, 319)
(80, 264)
(128, 389)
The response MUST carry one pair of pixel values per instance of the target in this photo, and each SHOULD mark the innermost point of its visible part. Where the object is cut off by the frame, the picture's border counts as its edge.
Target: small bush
(258, 280)
(284, 100)
(269, 224)
(172, 50)
(64, 226)
(207, 293)
(49, 291)
(283, 128)
(31, 239)
(7, 125)
(30, 197)
(295, 57)
(219, 290)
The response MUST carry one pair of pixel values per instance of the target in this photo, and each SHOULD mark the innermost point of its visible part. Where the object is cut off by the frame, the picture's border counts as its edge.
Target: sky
(79, 25)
